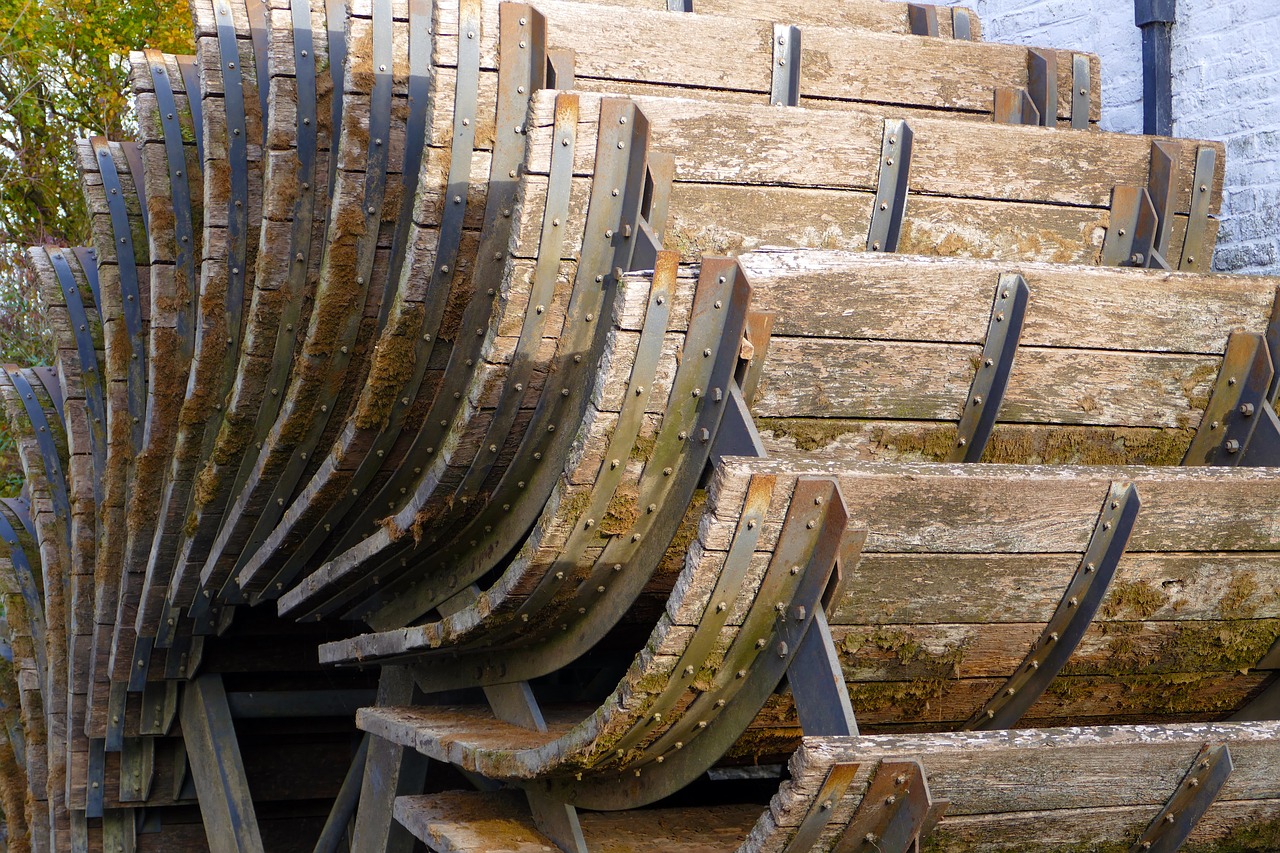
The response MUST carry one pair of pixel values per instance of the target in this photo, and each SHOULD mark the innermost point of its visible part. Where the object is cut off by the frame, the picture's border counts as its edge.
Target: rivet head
(1247, 410)
(1233, 446)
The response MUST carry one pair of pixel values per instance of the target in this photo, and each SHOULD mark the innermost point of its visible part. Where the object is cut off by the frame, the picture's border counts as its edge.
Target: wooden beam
(214, 753)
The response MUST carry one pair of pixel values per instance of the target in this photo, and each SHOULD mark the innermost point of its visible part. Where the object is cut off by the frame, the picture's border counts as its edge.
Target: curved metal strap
(1170, 829)
(606, 251)
(671, 474)
(517, 76)
(28, 585)
(259, 32)
(490, 259)
(90, 375)
(191, 83)
(88, 259)
(335, 12)
(238, 163)
(48, 377)
(133, 158)
(991, 379)
(300, 235)
(48, 449)
(130, 288)
(1072, 618)
(420, 44)
(179, 191)
(726, 691)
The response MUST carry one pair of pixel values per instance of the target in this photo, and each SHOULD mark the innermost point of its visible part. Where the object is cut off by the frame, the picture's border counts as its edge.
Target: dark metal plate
(891, 194)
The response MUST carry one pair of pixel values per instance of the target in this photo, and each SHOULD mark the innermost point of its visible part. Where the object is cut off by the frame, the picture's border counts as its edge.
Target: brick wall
(1226, 85)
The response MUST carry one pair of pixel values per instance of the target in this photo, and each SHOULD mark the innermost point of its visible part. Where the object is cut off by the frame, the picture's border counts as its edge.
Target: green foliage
(64, 74)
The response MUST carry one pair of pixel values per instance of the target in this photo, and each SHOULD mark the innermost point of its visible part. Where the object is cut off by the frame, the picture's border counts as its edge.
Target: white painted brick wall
(1226, 86)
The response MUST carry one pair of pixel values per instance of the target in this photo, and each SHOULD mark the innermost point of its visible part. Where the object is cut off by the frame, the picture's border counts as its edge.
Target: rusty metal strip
(923, 19)
(785, 88)
(1164, 161)
(961, 25)
(466, 348)
(29, 585)
(520, 25)
(191, 83)
(822, 808)
(1171, 828)
(895, 813)
(130, 287)
(681, 451)
(90, 376)
(259, 28)
(664, 756)
(1132, 230)
(891, 193)
(179, 195)
(43, 432)
(1197, 250)
(1042, 84)
(1081, 92)
(1239, 395)
(1014, 106)
(991, 379)
(1072, 617)
(609, 237)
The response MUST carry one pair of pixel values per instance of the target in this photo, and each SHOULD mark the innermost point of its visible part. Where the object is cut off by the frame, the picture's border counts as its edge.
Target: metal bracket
(679, 5)
(785, 91)
(755, 348)
(961, 25)
(137, 769)
(96, 778)
(992, 377)
(891, 192)
(1197, 251)
(822, 808)
(923, 19)
(1197, 791)
(1081, 92)
(1239, 396)
(191, 87)
(1042, 84)
(1132, 232)
(1164, 161)
(258, 34)
(1014, 106)
(817, 684)
(43, 432)
(895, 813)
(561, 68)
(737, 435)
(1069, 622)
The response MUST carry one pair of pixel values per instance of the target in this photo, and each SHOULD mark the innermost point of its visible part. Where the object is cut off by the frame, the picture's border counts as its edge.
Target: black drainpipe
(1155, 17)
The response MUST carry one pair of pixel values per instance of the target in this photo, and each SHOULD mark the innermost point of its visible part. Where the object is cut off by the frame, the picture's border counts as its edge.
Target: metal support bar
(785, 91)
(992, 376)
(226, 805)
(1196, 247)
(97, 778)
(137, 769)
(561, 68)
(1014, 106)
(1156, 18)
(390, 771)
(679, 5)
(1197, 791)
(1229, 421)
(817, 684)
(1132, 232)
(923, 19)
(833, 789)
(961, 25)
(1042, 84)
(1164, 160)
(755, 349)
(737, 435)
(1081, 92)
(891, 191)
(1071, 619)
(895, 813)
(334, 834)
